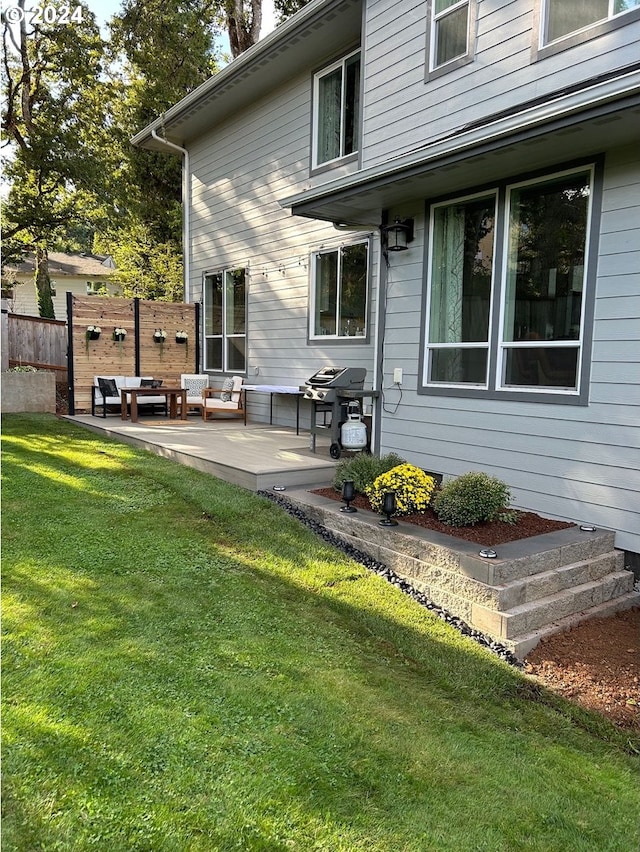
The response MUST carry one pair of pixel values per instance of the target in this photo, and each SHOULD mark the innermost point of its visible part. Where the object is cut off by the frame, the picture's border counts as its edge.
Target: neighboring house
(504, 138)
(80, 274)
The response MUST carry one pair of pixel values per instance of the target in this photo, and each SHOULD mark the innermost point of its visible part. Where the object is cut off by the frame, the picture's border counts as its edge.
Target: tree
(52, 118)
(76, 180)
(243, 21)
(161, 50)
(286, 8)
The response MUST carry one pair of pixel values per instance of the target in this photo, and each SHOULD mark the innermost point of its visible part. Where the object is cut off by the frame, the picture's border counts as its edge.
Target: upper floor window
(225, 313)
(562, 18)
(449, 32)
(339, 292)
(337, 110)
(508, 314)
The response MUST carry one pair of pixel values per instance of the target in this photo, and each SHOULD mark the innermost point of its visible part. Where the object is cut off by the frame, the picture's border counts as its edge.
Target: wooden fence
(138, 354)
(39, 342)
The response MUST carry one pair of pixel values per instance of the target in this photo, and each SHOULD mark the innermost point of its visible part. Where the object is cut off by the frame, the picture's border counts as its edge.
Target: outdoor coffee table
(170, 394)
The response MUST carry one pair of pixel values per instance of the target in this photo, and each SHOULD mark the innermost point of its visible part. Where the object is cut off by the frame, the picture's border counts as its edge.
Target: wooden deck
(256, 456)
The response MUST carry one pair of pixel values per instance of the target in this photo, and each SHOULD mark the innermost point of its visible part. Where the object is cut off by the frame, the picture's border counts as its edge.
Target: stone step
(546, 583)
(522, 645)
(517, 592)
(515, 560)
(524, 593)
(533, 615)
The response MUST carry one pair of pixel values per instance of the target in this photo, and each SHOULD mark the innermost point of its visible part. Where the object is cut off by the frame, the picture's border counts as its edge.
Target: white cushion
(220, 403)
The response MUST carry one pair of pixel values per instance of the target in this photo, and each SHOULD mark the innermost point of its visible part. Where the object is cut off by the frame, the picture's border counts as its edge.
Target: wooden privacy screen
(138, 354)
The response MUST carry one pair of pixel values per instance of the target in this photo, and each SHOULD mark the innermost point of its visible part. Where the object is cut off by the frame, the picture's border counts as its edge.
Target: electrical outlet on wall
(397, 376)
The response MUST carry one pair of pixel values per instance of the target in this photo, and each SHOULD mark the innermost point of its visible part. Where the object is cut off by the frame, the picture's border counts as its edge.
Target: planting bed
(596, 663)
(486, 533)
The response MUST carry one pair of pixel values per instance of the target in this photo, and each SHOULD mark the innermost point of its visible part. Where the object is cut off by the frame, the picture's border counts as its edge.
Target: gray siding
(240, 171)
(402, 112)
(580, 463)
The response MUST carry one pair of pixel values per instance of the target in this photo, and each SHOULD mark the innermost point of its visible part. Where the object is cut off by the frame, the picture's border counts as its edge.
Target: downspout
(186, 204)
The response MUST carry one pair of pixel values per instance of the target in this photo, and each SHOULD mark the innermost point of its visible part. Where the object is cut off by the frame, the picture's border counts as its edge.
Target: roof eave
(265, 64)
(356, 197)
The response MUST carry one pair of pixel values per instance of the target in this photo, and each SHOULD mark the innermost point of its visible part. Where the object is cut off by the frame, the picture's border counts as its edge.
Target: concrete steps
(531, 589)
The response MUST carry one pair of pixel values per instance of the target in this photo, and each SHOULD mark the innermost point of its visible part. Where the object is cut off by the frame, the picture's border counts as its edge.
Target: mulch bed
(487, 533)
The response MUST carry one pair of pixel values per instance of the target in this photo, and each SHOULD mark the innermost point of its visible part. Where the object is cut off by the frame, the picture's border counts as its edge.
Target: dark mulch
(487, 533)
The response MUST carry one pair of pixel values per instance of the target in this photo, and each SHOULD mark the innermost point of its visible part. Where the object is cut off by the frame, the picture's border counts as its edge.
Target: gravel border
(388, 574)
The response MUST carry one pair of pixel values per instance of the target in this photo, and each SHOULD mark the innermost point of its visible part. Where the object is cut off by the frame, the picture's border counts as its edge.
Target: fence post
(136, 333)
(70, 372)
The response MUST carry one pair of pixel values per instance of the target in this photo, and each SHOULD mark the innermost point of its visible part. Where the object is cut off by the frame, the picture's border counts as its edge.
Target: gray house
(448, 194)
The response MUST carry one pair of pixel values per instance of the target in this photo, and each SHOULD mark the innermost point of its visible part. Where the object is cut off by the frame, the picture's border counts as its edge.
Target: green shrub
(413, 489)
(363, 469)
(471, 498)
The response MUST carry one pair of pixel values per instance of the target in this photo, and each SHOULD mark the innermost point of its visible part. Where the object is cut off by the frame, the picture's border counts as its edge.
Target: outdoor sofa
(105, 392)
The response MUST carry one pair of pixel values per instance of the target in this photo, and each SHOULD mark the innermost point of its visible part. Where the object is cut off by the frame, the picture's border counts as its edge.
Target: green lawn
(185, 667)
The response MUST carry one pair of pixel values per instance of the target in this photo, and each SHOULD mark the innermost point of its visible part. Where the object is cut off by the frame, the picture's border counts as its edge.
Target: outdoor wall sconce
(389, 507)
(348, 493)
(398, 235)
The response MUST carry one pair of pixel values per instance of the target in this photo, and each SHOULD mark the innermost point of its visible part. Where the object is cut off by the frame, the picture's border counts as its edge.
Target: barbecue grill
(330, 390)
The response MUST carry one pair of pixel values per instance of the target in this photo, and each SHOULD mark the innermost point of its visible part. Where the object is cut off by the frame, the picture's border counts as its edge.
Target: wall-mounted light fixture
(398, 235)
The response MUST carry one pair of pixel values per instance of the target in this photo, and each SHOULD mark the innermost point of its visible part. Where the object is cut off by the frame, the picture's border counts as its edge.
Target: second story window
(565, 17)
(337, 110)
(449, 31)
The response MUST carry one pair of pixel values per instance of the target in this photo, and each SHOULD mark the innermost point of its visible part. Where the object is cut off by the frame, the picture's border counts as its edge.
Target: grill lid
(338, 378)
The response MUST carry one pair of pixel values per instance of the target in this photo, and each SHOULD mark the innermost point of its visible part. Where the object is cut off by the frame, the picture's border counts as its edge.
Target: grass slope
(186, 668)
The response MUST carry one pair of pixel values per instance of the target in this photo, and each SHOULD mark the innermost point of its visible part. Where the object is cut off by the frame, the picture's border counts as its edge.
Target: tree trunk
(243, 26)
(43, 284)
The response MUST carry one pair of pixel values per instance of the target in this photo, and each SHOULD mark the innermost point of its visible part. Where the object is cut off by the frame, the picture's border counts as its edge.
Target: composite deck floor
(256, 456)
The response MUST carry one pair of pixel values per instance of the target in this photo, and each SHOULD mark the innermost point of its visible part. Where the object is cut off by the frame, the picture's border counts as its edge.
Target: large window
(527, 332)
(337, 110)
(565, 17)
(460, 292)
(225, 321)
(339, 289)
(449, 32)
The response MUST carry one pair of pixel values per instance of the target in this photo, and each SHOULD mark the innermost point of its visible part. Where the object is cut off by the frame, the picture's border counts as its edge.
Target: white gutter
(252, 58)
(186, 207)
(560, 108)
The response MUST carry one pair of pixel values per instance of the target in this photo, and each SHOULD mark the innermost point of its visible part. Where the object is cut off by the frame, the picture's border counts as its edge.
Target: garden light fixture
(348, 493)
(389, 507)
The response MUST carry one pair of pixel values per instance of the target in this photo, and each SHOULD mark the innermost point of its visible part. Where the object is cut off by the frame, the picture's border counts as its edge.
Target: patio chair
(195, 384)
(228, 399)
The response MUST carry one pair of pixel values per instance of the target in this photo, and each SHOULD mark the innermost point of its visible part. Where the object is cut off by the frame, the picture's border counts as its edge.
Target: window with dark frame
(337, 110)
(533, 291)
(449, 32)
(225, 321)
(339, 292)
(561, 18)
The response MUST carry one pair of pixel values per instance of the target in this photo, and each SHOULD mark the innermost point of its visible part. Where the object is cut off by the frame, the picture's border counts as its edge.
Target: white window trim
(434, 19)
(340, 63)
(360, 338)
(224, 336)
(612, 21)
(578, 344)
(497, 346)
(429, 347)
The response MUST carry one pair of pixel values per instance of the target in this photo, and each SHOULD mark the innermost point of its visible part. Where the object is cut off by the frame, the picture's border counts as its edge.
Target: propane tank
(353, 432)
